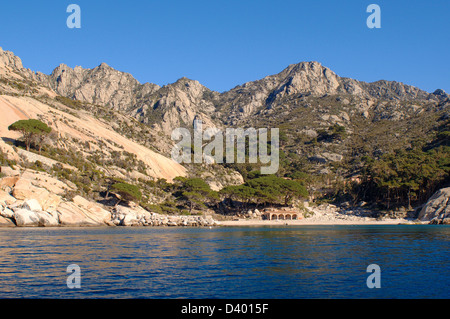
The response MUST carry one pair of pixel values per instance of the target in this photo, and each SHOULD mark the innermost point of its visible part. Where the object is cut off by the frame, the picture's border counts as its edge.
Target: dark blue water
(248, 262)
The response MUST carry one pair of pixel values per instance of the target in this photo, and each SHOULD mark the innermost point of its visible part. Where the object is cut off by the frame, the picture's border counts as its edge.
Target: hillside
(332, 128)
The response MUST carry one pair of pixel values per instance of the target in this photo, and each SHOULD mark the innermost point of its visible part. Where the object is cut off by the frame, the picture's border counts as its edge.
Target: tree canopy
(30, 128)
(404, 177)
(196, 191)
(266, 189)
(127, 191)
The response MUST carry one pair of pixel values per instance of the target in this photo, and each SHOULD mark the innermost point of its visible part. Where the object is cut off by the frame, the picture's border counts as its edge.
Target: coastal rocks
(26, 218)
(30, 214)
(34, 199)
(6, 222)
(437, 209)
(125, 216)
(47, 219)
(6, 213)
(92, 210)
(24, 189)
(70, 214)
(32, 204)
(6, 199)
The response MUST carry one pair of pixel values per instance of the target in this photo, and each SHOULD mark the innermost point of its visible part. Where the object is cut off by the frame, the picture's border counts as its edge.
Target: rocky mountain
(303, 100)
(108, 127)
(83, 134)
(177, 104)
(102, 85)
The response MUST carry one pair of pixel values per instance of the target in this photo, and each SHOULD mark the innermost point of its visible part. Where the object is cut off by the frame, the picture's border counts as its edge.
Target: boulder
(70, 214)
(7, 213)
(437, 209)
(332, 157)
(32, 204)
(26, 218)
(24, 190)
(6, 199)
(129, 220)
(8, 182)
(92, 210)
(47, 219)
(6, 222)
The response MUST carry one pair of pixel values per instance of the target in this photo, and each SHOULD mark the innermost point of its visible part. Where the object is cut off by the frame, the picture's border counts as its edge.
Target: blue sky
(226, 43)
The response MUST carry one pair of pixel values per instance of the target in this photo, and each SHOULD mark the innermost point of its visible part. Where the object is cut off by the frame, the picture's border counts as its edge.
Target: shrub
(127, 192)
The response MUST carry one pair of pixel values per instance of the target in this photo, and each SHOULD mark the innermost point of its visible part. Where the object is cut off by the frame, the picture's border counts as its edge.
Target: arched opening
(294, 217)
(274, 217)
(281, 217)
(287, 217)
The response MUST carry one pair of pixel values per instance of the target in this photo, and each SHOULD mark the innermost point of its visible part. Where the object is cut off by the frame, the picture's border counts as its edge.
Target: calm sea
(227, 263)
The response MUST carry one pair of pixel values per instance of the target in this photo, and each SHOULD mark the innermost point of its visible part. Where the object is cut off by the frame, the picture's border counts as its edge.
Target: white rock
(6, 199)
(7, 213)
(24, 217)
(47, 219)
(438, 206)
(33, 205)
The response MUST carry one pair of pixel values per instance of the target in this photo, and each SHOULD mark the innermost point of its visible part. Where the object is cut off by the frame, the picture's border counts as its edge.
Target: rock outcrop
(437, 209)
(125, 216)
(35, 199)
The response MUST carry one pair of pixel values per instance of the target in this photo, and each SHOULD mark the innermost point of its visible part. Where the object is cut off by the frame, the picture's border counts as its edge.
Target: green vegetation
(266, 190)
(31, 129)
(127, 192)
(196, 191)
(406, 177)
(334, 133)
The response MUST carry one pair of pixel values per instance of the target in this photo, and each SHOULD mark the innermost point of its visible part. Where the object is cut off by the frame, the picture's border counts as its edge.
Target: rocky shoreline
(36, 199)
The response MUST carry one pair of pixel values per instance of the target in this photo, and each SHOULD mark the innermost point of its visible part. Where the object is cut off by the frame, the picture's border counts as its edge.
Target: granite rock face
(437, 209)
(177, 104)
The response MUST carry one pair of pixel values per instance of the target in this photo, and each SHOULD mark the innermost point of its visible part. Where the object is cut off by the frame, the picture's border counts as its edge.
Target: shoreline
(306, 222)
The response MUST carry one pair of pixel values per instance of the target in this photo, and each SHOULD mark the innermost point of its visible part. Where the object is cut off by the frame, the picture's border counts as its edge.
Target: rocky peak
(307, 77)
(392, 90)
(192, 88)
(440, 95)
(180, 102)
(10, 61)
(101, 85)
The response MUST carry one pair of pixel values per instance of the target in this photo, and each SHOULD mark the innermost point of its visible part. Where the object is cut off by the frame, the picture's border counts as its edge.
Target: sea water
(283, 262)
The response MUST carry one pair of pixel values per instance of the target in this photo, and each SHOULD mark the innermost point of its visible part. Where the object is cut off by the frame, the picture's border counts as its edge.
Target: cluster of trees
(266, 190)
(404, 177)
(195, 194)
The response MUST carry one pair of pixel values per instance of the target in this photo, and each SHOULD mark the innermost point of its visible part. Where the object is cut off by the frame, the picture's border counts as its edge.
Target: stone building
(280, 215)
